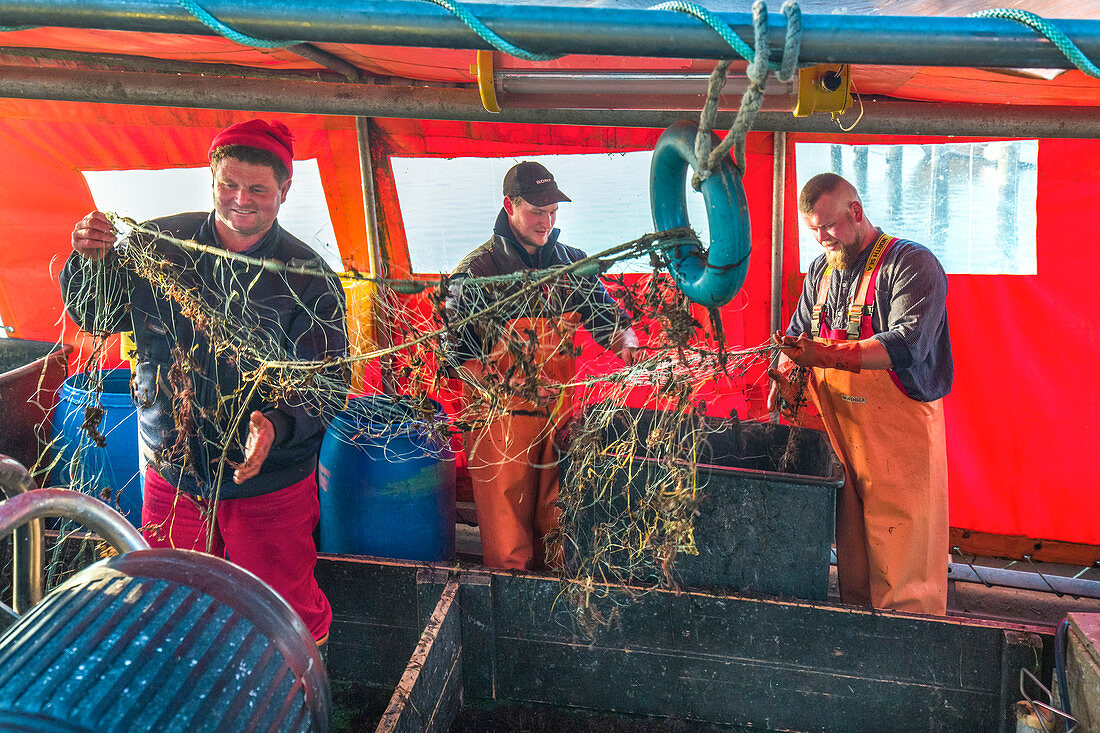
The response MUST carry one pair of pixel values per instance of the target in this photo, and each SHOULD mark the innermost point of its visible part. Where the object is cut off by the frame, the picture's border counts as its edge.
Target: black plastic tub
(31, 372)
(763, 524)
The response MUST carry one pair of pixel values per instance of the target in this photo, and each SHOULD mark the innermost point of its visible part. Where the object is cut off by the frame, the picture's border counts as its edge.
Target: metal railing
(22, 513)
(27, 552)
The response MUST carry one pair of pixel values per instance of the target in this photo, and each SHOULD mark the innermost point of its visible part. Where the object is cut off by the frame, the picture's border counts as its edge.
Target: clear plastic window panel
(972, 204)
(449, 205)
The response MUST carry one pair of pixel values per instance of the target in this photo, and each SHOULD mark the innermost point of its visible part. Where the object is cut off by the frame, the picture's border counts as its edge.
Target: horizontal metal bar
(1024, 580)
(878, 39)
(133, 62)
(81, 508)
(880, 117)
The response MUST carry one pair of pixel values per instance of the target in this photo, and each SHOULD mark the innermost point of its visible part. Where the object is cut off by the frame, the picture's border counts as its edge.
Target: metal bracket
(824, 88)
(483, 70)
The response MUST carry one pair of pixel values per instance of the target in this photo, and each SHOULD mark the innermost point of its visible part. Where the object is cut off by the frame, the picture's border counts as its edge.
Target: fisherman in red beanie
(252, 163)
(244, 487)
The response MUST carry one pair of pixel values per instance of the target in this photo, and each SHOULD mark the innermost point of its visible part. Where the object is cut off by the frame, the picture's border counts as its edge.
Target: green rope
(223, 30)
(722, 29)
(707, 159)
(793, 43)
(486, 34)
(1048, 30)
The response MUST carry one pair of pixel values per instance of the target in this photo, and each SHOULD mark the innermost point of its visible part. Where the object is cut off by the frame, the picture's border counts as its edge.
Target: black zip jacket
(179, 380)
(502, 255)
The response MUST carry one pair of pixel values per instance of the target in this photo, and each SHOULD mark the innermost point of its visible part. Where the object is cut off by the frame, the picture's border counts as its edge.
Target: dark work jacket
(287, 316)
(502, 255)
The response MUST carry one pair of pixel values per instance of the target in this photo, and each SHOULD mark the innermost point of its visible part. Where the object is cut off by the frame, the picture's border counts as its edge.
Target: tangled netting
(628, 438)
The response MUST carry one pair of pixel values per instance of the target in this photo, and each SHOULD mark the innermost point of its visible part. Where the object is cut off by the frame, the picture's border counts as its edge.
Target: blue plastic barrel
(110, 472)
(387, 480)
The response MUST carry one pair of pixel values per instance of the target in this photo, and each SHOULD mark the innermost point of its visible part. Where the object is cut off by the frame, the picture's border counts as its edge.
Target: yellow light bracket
(128, 348)
(824, 88)
(483, 70)
(361, 306)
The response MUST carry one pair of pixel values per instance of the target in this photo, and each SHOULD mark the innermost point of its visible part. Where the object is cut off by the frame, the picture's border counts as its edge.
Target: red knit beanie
(275, 138)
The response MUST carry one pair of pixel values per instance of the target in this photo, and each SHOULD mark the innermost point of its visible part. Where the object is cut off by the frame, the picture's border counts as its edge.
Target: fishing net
(656, 413)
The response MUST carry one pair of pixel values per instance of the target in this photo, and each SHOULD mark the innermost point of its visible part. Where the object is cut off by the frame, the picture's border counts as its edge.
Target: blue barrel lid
(375, 419)
(77, 389)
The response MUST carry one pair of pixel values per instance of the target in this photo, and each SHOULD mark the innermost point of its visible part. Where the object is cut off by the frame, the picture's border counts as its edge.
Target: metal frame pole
(370, 210)
(382, 333)
(779, 186)
(27, 550)
(406, 102)
(869, 39)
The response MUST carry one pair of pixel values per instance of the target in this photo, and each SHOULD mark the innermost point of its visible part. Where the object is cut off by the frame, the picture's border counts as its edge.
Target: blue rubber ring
(709, 278)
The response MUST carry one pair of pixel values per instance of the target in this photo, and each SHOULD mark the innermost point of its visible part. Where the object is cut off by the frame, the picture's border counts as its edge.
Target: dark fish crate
(764, 519)
(31, 372)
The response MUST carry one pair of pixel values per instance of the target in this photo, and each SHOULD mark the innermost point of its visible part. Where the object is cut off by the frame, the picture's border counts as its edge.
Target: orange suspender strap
(860, 306)
(822, 296)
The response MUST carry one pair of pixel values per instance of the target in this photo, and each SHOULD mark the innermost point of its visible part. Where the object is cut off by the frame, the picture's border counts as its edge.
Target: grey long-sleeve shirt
(910, 314)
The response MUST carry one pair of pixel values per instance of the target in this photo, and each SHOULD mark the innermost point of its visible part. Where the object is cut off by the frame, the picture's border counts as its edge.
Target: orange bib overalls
(891, 513)
(512, 459)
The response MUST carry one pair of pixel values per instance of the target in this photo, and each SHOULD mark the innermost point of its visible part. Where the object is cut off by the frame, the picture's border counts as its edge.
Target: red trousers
(270, 536)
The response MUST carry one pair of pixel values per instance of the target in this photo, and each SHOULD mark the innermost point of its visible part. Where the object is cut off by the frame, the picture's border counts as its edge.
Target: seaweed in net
(629, 491)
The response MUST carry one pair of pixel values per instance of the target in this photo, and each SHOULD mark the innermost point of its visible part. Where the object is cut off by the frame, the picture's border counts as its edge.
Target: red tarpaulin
(1020, 417)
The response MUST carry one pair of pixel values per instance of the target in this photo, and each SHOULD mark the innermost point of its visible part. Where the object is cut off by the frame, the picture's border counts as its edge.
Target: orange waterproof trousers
(514, 471)
(891, 514)
(512, 459)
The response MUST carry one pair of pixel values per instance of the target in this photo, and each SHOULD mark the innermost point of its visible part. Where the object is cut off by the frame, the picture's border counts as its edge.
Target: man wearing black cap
(230, 468)
(528, 349)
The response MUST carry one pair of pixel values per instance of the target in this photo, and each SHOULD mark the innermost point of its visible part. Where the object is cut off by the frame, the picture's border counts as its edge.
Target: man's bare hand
(261, 434)
(93, 237)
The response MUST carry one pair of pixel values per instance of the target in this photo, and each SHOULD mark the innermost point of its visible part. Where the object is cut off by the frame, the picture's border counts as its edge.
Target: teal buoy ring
(709, 278)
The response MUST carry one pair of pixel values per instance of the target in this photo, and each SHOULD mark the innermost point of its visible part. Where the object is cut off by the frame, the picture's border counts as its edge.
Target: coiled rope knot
(757, 72)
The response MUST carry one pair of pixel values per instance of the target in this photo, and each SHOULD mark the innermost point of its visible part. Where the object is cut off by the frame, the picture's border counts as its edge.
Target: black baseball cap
(533, 183)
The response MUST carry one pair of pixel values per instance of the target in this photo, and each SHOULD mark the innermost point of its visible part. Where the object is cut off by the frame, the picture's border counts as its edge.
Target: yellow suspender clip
(858, 308)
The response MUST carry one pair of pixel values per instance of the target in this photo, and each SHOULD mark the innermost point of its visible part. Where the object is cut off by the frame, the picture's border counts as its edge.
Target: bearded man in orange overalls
(871, 325)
